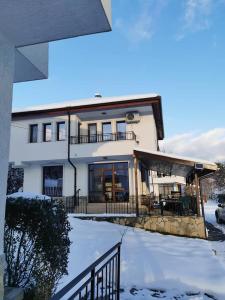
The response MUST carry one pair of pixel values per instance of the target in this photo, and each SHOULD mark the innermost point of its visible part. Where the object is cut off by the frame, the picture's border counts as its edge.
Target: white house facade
(86, 147)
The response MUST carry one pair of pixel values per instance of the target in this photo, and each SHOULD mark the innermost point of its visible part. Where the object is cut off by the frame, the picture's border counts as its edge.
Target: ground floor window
(53, 180)
(109, 182)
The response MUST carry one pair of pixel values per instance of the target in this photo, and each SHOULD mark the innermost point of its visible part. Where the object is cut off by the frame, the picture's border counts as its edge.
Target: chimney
(98, 95)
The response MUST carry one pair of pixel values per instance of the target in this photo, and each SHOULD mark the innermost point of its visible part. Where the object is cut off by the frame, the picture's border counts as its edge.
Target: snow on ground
(175, 265)
(29, 195)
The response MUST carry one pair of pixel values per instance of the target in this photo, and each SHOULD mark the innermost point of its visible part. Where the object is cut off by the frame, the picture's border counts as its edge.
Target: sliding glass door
(108, 182)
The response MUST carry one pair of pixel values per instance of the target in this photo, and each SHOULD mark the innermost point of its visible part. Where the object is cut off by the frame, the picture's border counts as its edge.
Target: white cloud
(141, 26)
(196, 16)
(209, 145)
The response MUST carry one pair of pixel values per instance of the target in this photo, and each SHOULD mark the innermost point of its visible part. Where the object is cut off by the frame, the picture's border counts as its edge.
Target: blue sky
(173, 47)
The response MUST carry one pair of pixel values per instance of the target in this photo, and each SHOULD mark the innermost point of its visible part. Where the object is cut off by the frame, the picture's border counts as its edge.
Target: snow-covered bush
(36, 245)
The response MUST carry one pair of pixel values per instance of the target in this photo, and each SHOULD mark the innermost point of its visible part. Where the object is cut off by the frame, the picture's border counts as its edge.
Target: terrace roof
(171, 164)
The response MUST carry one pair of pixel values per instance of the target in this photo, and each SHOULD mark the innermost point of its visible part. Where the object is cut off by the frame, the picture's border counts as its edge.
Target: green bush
(36, 245)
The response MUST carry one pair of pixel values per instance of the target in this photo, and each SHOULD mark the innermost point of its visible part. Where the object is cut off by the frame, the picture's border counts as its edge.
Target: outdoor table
(175, 204)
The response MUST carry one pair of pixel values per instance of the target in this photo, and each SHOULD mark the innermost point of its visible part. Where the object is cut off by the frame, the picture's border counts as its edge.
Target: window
(33, 133)
(121, 130)
(61, 131)
(47, 132)
(107, 131)
(109, 182)
(92, 133)
(53, 181)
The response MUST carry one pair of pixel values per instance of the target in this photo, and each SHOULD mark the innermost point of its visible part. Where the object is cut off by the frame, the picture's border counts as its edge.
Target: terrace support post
(7, 60)
(198, 196)
(136, 184)
(202, 205)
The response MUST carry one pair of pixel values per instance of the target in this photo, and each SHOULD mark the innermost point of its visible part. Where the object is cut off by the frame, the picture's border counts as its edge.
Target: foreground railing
(101, 280)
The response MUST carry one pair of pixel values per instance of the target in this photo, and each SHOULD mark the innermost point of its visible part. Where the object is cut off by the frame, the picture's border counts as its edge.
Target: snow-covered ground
(179, 267)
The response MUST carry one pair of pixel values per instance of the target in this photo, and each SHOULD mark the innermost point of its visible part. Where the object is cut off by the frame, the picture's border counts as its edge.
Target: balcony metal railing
(99, 138)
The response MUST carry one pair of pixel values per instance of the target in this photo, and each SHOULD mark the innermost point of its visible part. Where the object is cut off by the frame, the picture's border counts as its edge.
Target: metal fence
(146, 206)
(99, 281)
(82, 205)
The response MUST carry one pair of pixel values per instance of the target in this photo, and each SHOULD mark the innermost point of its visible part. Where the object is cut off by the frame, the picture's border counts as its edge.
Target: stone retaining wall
(189, 226)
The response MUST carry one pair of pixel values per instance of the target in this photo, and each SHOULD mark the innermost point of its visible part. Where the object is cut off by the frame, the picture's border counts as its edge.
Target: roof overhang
(170, 164)
(27, 23)
(31, 63)
(30, 25)
(154, 101)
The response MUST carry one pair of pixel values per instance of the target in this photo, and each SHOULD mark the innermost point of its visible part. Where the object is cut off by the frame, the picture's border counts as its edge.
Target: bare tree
(15, 179)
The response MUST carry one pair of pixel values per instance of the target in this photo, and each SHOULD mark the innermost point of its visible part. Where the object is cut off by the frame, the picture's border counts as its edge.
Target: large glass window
(47, 132)
(53, 180)
(109, 182)
(61, 131)
(92, 133)
(107, 131)
(121, 130)
(33, 133)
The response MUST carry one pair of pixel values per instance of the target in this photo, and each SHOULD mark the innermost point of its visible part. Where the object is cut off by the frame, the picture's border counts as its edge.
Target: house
(86, 146)
(104, 150)
(101, 155)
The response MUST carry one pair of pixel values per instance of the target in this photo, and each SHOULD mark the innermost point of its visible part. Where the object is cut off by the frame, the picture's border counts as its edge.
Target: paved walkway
(215, 234)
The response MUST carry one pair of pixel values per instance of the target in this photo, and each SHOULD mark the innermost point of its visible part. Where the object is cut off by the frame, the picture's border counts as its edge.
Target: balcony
(99, 138)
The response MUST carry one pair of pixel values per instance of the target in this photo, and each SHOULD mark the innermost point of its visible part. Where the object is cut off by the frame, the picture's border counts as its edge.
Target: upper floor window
(61, 131)
(47, 132)
(107, 131)
(33, 133)
(121, 130)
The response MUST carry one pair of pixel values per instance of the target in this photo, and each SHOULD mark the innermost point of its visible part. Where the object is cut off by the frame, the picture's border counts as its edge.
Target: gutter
(69, 159)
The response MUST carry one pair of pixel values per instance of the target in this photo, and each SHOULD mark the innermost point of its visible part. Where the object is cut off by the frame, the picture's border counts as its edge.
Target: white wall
(32, 156)
(33, 179)
(22, 151)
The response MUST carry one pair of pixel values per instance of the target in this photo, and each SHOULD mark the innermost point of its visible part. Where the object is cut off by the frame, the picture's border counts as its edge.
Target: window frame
(31, 126)
(44, 125)
(92, 138)
(121, 135)
(58, 131)
(43, 180)
(104, 135)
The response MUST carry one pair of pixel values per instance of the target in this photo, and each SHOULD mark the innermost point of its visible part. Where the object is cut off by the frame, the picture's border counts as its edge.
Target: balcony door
(92, 133)
(108, 182)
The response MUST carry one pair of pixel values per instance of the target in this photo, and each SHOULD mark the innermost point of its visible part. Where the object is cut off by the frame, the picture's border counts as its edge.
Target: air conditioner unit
(199, 166)
(132, 117)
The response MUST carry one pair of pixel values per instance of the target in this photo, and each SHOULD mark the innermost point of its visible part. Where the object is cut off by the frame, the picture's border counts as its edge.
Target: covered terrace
(186, 202)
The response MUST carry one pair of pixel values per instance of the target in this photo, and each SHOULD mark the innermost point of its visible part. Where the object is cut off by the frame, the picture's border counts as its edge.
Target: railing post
(86, 202)
(136, 184)
(118, 274)
(92, 284)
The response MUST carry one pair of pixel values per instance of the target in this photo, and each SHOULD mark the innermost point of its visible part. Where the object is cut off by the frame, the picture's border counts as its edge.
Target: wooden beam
(136, 184)
(198, 196)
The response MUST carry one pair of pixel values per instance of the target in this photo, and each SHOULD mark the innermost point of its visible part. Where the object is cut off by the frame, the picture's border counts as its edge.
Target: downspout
(69, 159)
